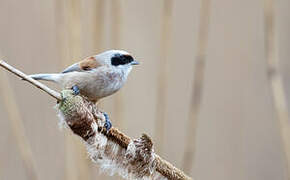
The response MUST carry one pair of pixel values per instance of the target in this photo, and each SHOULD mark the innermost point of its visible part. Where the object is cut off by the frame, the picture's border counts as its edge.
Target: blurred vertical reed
(98, 25)
(162, 76)
(115, 34)
(69, 21)
(275, 79)
(98, 28)
(197, 85)
(17, 125)
(1, 170)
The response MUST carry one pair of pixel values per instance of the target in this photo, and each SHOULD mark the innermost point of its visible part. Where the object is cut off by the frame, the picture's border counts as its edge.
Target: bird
(95, 77)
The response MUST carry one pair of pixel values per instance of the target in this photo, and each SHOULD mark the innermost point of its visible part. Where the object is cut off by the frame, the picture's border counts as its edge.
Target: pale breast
(96, 84)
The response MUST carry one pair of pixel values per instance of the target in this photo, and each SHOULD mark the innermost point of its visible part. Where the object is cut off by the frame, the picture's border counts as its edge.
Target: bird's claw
(108, 123)
(76, 90)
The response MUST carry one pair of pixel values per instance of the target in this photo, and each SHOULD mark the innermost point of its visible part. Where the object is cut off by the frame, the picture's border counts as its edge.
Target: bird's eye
(119, 59)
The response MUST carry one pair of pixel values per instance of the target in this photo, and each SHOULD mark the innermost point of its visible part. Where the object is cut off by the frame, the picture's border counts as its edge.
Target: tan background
(237, 134)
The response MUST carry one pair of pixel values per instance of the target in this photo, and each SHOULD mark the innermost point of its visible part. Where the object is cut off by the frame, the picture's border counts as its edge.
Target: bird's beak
(135, 62)
(74, 67)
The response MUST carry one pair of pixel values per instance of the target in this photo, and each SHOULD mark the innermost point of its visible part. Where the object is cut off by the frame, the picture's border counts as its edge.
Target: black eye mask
(121, 59)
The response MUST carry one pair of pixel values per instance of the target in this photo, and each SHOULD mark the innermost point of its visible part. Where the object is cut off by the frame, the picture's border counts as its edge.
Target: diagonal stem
(37, 84)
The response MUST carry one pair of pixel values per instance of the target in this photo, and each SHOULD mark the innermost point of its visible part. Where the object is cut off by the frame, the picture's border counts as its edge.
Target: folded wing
(84, 65)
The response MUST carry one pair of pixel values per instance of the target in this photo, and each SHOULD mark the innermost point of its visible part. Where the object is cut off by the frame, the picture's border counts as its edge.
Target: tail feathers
(46, 77)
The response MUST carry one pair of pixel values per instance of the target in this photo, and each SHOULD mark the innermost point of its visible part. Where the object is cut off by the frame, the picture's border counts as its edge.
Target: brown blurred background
(212, 88)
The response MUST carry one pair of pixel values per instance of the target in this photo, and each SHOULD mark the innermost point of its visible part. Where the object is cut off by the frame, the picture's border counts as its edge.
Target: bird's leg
(76, 90)
(108, 123)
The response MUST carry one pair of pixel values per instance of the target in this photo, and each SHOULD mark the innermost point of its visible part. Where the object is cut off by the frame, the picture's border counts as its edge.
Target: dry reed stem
(162, 76)
(276, 81)
(197, 87)
(39, 85)
(113, 151)
(81, 128)
(17, 126)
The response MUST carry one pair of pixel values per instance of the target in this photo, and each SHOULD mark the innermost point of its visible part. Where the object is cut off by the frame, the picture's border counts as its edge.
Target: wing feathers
(89, 63)
(84, 65)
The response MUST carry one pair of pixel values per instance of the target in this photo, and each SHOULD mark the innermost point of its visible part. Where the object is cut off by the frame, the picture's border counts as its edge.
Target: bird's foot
(108, 123)
(76, 90)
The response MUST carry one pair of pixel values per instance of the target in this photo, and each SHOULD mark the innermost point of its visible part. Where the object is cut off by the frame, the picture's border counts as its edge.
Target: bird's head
(117, 59)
